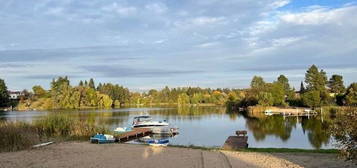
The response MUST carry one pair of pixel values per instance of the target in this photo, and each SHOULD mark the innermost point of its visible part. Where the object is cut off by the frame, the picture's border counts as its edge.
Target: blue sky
(150, 44)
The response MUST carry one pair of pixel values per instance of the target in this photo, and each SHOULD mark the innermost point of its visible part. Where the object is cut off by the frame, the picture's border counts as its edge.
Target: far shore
(84, 154)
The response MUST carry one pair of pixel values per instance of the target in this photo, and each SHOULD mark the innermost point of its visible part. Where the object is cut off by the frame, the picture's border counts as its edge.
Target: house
(15, 95)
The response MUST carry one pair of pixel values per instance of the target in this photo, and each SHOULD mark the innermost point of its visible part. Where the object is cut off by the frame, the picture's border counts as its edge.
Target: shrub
(344, 130)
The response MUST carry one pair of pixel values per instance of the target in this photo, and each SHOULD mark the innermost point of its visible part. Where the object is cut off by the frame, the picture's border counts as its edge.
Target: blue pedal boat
(102, 138)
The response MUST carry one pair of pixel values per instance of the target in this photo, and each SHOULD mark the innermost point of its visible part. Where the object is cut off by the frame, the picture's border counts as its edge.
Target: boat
(147, 122)
(102, 138)
(158, 142)
(122, 129)
(268, 112)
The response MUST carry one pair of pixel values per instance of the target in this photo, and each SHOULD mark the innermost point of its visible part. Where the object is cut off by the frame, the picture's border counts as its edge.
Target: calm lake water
(210, 126)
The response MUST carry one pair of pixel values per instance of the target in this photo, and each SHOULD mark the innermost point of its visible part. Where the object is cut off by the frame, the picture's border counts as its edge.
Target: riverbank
(84, 154)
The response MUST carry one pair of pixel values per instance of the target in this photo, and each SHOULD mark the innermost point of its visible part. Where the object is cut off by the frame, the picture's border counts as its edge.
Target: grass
(57, 127)
(194, 147)
(17, 136)
(289, 150)
(266, 150)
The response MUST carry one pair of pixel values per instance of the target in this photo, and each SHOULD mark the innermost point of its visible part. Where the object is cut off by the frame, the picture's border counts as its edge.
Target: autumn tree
(39, 92)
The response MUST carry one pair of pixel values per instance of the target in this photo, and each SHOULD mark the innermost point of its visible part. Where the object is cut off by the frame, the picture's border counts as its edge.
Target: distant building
(15, 95)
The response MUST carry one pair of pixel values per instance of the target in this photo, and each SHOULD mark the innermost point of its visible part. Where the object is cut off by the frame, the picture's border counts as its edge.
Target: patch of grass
(288, 150)
(57, 127)
(17, 136)
(267, 150)
(195, 147)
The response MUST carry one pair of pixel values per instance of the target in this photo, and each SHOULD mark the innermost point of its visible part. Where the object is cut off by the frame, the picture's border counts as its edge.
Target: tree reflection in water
(280, 126)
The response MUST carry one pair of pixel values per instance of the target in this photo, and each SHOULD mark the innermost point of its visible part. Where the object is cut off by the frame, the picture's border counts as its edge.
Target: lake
(210, 126)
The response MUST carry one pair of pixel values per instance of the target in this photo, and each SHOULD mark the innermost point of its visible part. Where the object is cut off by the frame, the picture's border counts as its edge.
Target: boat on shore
(102, 138)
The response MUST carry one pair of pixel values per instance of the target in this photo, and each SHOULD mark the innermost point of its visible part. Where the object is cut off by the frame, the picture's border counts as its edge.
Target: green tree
(311, 98)
(265, 99)
(302, 88)
(257, 83)
(351, 95)
(316, 80)
(4, 95)
(91, 83)
(284, 81)
(278, 92)
(336, 84)
(80, 83)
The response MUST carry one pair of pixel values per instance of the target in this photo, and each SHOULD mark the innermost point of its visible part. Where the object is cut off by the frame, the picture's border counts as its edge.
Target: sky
(143, 44)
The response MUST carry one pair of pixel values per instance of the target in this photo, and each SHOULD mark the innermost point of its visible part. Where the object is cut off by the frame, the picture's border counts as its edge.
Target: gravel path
(84, 154)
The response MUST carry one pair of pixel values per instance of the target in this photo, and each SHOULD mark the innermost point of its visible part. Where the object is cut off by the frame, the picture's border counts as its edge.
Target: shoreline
(84, 154)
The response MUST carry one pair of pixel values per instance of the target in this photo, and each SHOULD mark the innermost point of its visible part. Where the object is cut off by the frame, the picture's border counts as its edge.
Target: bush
(344, 130)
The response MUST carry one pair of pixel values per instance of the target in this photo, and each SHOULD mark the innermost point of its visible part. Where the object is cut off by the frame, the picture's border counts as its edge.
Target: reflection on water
(210, 126)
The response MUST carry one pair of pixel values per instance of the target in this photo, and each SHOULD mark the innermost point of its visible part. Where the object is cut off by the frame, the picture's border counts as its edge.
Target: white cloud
(200, 22)
(208, 45)
(207, 20)
(279, 3)
(121, 10)
(280, 42)
(318, 15)
(158, 8)
(160, 41)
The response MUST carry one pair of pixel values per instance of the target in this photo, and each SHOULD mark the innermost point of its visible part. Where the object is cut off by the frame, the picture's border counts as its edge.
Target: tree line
(315, 91)
(63, 95)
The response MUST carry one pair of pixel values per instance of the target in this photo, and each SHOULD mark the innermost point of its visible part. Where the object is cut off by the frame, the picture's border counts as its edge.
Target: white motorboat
(147, 122)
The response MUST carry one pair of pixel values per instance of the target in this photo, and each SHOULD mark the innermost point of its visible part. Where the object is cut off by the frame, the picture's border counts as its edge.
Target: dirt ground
(84, 154)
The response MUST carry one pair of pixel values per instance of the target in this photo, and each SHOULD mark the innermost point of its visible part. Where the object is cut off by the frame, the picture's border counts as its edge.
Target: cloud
(317, 16)
(116, 71)
(158, 8)
(120, 9)
(200, 22)
(66, 54)
(281, 3)
(208, 45)
(154, 41)
(50, 76)
(293, 67)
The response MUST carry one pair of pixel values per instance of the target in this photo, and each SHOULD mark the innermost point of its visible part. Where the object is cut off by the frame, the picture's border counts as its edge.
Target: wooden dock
(236, 142)
(135, 133)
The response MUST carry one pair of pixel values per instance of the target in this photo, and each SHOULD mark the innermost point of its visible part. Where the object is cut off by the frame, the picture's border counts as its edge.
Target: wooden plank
(135, 133)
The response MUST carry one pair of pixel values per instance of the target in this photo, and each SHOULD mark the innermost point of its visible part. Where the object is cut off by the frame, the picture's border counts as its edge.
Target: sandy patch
(84, 154)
